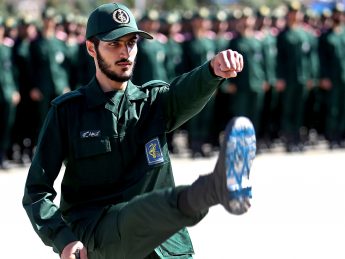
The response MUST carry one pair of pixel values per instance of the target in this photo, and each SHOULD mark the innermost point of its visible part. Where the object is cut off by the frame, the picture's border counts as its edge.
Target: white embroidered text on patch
(90, 134)
(153, 151)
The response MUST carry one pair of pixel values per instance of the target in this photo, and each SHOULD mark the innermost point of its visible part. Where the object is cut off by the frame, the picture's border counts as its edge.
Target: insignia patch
(59, 57)
(90, 133)
(121, 16)
(153, 151)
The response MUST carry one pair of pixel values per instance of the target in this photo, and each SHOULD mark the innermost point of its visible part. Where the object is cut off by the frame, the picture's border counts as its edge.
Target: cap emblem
(121, 16)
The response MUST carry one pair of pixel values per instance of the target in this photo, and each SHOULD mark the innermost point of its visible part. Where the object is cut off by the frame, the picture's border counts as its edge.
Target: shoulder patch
(67, 96)
(154, 83)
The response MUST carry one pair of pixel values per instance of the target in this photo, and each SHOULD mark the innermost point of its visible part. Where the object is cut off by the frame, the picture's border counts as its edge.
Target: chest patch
(153, 151)
(90, 134)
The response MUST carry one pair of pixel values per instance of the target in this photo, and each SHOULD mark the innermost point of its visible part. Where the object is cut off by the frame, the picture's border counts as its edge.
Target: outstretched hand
(227, 63)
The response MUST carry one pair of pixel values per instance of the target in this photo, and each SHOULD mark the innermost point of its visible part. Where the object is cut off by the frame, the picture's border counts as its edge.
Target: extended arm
(190, 92)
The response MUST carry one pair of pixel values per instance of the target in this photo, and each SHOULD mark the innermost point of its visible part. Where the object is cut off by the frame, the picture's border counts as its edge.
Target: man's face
(116, 59)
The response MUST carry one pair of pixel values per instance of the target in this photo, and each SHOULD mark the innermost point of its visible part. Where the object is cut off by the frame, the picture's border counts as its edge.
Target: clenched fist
(227, 63)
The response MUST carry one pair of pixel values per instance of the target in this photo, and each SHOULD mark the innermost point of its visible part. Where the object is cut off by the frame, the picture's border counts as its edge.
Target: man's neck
(108, 85)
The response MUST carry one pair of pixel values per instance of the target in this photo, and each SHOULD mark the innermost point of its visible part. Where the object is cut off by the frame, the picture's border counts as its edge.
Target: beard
(112, 75)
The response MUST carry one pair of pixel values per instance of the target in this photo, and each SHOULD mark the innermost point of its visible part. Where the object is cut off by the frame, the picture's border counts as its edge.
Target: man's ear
(90, 48)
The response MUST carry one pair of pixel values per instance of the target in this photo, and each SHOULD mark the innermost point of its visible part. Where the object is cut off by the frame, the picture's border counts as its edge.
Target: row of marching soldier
(292, 86)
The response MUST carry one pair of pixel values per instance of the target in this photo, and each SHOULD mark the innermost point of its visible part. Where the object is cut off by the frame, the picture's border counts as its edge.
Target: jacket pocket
(92, 163)
(91, 147)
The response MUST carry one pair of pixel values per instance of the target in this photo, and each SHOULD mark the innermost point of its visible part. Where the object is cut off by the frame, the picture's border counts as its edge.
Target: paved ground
(298, 211)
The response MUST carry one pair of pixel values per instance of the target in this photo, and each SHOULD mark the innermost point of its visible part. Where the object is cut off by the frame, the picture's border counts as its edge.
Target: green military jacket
(252, 77)
(332, 53)
(173, 61)
(7, 83)
(49, 65)
(21, 66)
(196, 51)
(295, 57)
(108, 149)
(269, 50)
(150, 62)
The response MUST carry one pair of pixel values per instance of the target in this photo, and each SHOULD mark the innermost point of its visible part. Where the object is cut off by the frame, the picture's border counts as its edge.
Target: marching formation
(292, 84)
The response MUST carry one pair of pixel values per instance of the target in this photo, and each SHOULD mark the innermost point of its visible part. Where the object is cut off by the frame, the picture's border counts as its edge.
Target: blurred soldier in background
(86, 65)
(9, 95)
(220, 26)
(332, 77)
(250, 86)
(171, 27)
(22, 134)
(223, 99)
(49, 66)
(294, 75)
(150, 62)
(267, 34)
(69, 26)
(312, 109)
(199, 47)
(326, 20)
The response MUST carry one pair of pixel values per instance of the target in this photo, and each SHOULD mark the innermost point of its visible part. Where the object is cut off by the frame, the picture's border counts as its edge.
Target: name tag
(90, 133)
(153, 151)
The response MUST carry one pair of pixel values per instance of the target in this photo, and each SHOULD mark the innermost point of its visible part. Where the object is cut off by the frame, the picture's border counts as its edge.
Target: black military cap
(111, 21)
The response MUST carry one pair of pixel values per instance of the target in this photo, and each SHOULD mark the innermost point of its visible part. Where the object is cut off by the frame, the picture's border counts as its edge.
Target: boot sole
(240, 153)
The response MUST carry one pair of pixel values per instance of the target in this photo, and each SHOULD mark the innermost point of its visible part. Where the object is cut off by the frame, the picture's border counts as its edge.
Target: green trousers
(148, 226)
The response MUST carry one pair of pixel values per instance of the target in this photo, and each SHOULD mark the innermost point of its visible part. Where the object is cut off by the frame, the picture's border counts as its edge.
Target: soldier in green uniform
(21, 133)
(312, 107)
(267, 35)
(9, 95)
(171, 28)
(118, 198)
(72, 48)
(150, 63)
(249, 87)
(220, 26)
(332, 77)
(86, 66)
(294, 75)
(198, 48)
(49, 65)
(223, 102)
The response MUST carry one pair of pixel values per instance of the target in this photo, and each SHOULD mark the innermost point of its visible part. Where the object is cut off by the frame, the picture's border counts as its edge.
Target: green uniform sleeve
(188, 94)
(39, 193)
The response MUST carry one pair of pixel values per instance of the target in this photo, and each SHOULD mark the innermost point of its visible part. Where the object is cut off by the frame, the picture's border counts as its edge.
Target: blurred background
(292, 86)
(34, 8)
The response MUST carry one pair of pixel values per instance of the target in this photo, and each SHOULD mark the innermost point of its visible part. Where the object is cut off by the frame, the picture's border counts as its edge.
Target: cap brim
(120, 32)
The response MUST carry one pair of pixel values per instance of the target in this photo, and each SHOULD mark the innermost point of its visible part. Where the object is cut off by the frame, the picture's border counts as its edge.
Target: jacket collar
(95, 95)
